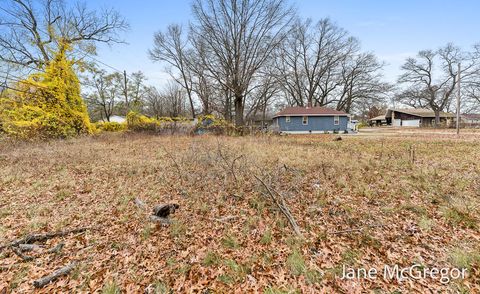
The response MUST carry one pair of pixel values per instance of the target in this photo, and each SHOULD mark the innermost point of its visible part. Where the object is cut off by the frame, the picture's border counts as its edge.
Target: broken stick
(282, 206)
(42, 237)
(56, 249)
(55, 275)
(19, 253)
(29, 247)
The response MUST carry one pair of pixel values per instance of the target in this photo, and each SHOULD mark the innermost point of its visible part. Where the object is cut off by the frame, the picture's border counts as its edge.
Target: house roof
(309, 111)
(471, 115)
(420, 112)
(380, 117)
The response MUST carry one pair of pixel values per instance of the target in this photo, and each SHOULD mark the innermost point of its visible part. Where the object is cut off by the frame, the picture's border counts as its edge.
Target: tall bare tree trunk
(437, 118)
(239, 110)
(228, 106)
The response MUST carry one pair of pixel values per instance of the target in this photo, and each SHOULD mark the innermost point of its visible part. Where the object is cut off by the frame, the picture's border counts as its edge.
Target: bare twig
(229, 165)
(280, 202)
(55, 275)
(233, 166)
(175, 163)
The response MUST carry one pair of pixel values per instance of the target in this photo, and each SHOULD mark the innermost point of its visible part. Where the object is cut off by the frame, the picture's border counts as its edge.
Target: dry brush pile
(256, 214)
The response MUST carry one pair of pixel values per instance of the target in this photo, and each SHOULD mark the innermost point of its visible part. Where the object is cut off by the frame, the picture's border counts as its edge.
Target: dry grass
(427, 201)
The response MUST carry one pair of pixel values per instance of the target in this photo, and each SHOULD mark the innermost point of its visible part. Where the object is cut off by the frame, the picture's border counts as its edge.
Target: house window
(336, 120)
(287, 119)
(305, 120)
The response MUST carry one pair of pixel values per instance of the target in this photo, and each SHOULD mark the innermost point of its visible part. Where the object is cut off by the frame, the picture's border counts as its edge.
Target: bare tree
(471, 84)
(154, 104)
(174, 99)
(30, 30)
(238, 37)
(136, 90)
(310, 58)
(171, 47)
(431, 77)
(262, 96)
(361, 82)
(105, 94)
(4, 77)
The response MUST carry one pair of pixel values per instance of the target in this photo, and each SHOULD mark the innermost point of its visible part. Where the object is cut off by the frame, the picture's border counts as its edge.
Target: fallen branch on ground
(42, 237)
(280, 202)
(55, 275)
(56, 249)
(19, 253)
(29, 247)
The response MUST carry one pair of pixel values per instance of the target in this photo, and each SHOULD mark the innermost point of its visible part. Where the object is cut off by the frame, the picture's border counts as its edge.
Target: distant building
(310, 120)
(115, 118)
(471, 119)
(411, 117)
(378, 121)
(416, 117)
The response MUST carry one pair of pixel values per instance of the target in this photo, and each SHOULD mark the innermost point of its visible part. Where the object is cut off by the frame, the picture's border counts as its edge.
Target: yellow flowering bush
(212, 124)
(47, 104)
(139, 122)
(110, 126)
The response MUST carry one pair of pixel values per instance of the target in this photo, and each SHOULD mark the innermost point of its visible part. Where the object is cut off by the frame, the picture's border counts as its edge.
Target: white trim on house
(305, 120)
(336, 120)
(296, 115)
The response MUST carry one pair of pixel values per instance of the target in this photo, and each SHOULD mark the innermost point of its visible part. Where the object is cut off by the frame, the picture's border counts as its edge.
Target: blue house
(311, 120)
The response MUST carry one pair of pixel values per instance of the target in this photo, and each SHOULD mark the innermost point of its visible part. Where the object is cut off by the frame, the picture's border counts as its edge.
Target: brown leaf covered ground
(360, 202)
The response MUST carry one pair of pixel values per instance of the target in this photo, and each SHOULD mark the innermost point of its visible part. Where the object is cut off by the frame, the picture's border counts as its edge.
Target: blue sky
(393, 30)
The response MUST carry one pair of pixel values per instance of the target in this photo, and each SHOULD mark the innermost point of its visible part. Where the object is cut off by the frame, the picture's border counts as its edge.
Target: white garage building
(416, 117)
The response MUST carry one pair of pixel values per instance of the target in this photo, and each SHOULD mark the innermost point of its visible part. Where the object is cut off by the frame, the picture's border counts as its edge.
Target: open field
(364, 201)
(388, 131)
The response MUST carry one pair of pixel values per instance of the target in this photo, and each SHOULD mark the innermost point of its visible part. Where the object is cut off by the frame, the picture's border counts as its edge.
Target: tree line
(239, 59)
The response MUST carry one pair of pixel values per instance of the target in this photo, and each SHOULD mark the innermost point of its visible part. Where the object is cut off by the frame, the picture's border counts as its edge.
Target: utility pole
(458, 99)
(125, 91)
